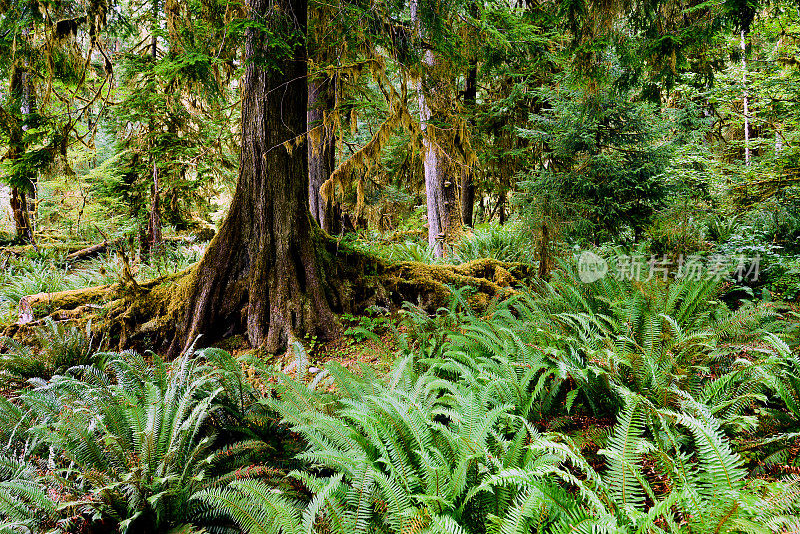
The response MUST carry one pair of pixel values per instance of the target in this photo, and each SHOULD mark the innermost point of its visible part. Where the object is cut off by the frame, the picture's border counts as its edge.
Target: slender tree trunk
(20, 210)
(265, 259)
(501, 201)
(745, 99)
(29, 106)
(321, 136)
(22, 92)
(467, 178)
(321, 152)
(444, 210)
(154, 238)
(444, 216)
(154, 36)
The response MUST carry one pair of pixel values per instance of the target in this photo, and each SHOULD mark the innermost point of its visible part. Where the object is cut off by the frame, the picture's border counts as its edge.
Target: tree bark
(22, 221)
(155, 240)
(467, 178)
(83, 253)
(470, 99)
(265, 259)
(745, 99)
(321, 152)
(444, 210)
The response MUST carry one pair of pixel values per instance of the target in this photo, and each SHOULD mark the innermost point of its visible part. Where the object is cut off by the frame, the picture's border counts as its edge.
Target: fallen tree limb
(19, 250)
(87, 252)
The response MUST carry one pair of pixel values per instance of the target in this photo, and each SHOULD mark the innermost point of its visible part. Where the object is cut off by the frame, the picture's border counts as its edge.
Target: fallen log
(86, 252)
(33, 306)
(98, 248)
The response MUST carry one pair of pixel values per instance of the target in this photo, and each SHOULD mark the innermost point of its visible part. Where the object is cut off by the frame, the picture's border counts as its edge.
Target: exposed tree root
(429, 285)
(146, 315)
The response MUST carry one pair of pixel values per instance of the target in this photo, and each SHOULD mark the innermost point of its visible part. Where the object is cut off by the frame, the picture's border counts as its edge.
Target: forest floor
(352, 353)
(349, 351)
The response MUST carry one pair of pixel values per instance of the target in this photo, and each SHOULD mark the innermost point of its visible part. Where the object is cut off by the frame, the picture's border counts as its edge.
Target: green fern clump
(135, 438)
(53, 349)
(451, 439)
(722, 228)
(440, 451)
(410, 251)
(511, 242)
(448, 440)
(36, 276)
(657, 335)
(404, 455)
(24, 501)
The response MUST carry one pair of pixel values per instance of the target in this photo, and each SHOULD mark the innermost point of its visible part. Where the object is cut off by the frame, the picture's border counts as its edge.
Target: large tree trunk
(265, 259)
(321, 152)
(270, 271)
(444, 209)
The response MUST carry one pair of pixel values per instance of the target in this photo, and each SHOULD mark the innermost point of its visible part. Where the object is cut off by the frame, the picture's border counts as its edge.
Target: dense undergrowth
(47, 270)
(615, 406)
(754, 234)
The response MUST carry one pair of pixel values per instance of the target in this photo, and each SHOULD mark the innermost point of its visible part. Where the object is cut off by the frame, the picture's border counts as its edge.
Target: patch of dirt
(352, 353)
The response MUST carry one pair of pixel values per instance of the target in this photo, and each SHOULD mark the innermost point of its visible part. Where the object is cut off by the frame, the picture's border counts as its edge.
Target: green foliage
(25, 504)
(136, 437)
(448, 453)
(48, 272)
(375, 321)
(449, 440)
(605, 157)
(511, 242)
(52, 349)
(411, 251)
(612, 406)
(722, 228)
(675, 232)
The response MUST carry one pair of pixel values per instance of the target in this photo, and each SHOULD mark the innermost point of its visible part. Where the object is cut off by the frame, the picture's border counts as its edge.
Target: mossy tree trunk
(270, 271)
(22, 94)
(21, 213)
(444, 208)
(263, 270)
